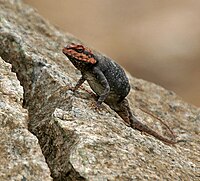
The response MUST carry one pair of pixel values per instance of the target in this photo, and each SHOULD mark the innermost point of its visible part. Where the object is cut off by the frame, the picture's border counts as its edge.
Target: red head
(79, 53)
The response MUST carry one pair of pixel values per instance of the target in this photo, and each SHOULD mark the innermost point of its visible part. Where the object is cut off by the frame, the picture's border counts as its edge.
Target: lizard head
(78, 54)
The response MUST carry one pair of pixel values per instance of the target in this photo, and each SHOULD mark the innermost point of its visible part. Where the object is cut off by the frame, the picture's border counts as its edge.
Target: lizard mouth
(66, 50)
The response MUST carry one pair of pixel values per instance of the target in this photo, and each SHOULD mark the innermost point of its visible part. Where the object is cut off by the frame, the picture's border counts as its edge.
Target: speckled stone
(78, 142)
(20, 153)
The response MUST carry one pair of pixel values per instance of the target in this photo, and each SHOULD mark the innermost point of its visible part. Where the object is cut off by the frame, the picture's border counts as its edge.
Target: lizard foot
(97, 107)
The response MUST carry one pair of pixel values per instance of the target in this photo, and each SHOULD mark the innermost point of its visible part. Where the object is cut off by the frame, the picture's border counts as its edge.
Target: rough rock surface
(79, 143)
(21, 156)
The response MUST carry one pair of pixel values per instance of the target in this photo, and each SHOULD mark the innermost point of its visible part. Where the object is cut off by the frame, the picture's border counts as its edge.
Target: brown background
(154, 40)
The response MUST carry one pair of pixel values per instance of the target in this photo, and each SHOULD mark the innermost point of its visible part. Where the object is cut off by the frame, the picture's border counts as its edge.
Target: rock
(20, 153)
(77, 142)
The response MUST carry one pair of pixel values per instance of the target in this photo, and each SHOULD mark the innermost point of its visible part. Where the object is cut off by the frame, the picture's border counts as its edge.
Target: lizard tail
(123, 110)
(135, 124)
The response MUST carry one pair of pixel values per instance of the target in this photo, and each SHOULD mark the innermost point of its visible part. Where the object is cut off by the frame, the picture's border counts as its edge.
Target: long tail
(123, 110)
(135, 124)
(151, 114)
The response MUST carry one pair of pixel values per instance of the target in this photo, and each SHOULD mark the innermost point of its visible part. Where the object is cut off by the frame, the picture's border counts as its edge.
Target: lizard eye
(80, 49)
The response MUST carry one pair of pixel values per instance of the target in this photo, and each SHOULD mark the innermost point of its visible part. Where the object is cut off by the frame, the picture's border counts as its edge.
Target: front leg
(78, 84)
(103, 81)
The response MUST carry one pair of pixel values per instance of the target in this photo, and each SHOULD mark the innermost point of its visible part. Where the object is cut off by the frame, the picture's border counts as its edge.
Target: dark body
(103, 75)
(110, 83)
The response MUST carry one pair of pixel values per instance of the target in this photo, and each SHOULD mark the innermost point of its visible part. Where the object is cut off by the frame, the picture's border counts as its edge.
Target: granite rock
(20, 153)
(78, 142)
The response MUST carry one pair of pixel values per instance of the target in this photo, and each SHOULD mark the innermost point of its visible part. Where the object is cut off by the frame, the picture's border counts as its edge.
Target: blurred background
(155, 40)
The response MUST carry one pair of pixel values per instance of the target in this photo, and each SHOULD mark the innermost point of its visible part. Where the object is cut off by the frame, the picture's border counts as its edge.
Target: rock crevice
(77, 142)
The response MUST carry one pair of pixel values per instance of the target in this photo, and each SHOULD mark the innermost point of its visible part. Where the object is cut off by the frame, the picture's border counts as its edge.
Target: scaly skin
(110, 83)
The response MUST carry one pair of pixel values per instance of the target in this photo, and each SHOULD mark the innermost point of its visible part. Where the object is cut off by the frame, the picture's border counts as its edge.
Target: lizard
(110, 84)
